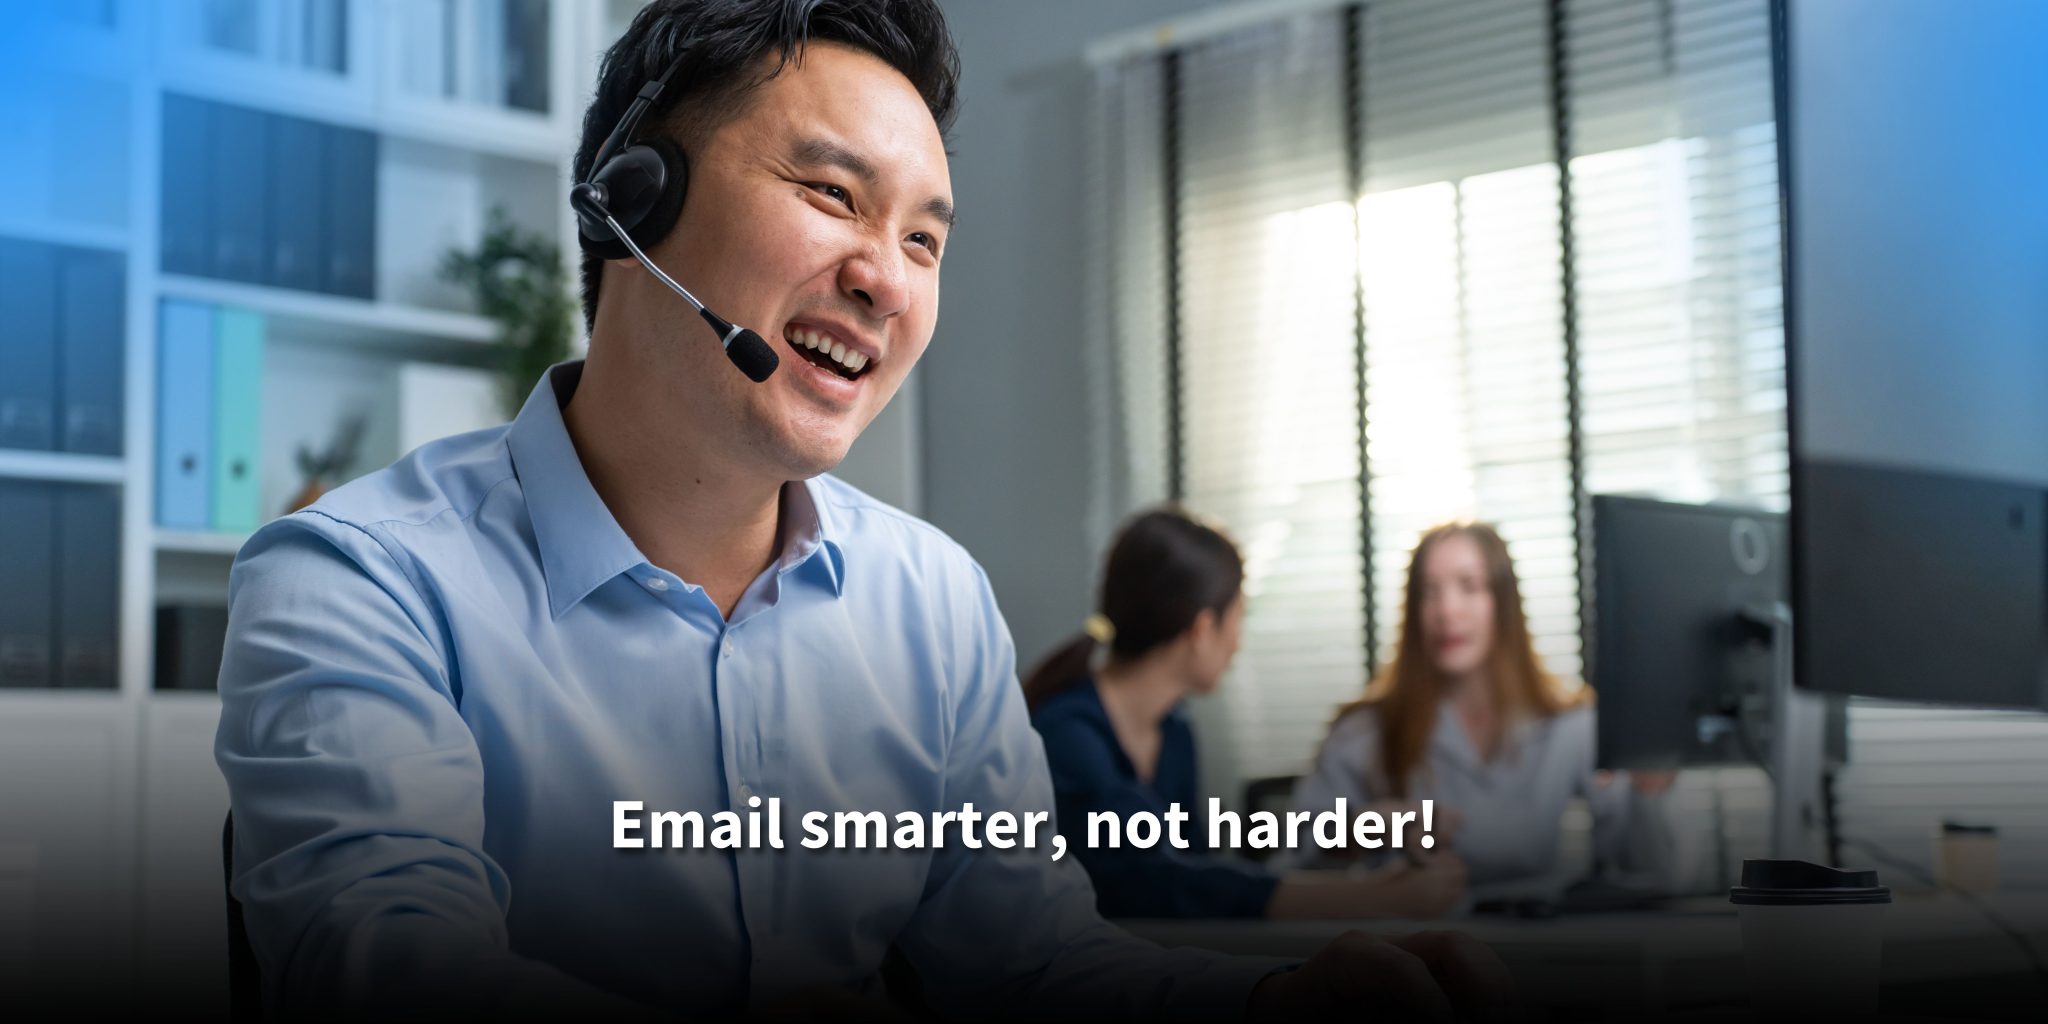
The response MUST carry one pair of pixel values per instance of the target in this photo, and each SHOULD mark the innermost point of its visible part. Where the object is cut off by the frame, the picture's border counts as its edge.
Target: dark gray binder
(295, 179)
(88, 552)
(92, 339)
(187, 199)
(240, 229)
(351, 190)
(27, 583)
(28, 345)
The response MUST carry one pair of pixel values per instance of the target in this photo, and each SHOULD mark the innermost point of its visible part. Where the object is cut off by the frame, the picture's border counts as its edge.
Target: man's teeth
(825, 346)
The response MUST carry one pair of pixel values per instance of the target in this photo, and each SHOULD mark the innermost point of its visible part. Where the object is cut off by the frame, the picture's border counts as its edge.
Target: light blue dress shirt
(439, 678)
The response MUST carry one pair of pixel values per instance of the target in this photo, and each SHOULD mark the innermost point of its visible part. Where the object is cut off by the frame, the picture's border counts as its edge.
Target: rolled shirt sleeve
(358, 790)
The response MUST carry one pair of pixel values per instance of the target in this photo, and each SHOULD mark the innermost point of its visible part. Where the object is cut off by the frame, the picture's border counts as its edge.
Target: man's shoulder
(439, 484)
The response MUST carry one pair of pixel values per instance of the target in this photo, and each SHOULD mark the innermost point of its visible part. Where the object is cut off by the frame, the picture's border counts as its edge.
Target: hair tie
(1100, 628)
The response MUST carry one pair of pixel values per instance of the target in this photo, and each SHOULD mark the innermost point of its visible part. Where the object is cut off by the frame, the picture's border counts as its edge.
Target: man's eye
(925, 239)
(834, 193)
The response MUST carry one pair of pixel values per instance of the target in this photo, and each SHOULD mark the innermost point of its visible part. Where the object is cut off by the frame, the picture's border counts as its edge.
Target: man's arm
(357, 790)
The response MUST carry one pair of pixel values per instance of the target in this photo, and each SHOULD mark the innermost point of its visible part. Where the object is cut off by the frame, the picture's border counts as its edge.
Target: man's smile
(822, 347)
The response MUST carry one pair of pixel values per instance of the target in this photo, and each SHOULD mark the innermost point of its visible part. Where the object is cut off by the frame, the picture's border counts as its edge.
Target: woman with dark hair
(1169, 616)
(1466, 715)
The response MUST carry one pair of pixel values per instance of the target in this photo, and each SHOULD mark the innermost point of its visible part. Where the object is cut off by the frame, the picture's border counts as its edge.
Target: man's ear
(1202, 631)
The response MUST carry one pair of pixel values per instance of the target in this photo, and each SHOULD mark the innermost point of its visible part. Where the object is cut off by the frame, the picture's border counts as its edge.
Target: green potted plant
(520, 281)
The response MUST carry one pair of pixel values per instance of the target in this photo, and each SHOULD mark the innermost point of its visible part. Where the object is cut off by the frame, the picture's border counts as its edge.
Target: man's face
(816, 217)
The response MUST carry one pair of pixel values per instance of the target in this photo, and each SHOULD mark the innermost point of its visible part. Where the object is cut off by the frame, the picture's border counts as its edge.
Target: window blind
(1911, 767)
(1465, 382)
(1673, 165)
(1267, 380)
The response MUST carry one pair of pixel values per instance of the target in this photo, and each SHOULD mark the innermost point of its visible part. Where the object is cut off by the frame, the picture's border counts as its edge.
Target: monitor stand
(1797, 751)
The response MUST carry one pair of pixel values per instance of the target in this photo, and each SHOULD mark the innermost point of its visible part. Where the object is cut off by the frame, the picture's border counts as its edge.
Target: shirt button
(746, 792)
(725, 648)
(657, 584)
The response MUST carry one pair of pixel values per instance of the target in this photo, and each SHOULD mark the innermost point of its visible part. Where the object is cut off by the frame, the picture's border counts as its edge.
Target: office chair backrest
(245, 985)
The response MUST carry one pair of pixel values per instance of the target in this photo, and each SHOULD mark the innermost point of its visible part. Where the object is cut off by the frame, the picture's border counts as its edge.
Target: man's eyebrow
(941, 209)
(822, 151)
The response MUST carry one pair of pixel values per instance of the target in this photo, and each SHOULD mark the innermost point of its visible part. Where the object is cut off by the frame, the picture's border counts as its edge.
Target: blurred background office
(1330, 273)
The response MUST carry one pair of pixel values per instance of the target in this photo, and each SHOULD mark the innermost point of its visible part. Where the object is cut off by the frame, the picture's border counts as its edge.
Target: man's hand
(1429, 976)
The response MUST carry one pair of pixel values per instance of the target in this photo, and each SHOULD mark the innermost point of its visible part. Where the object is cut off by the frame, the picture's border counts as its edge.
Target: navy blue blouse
(1091, 772)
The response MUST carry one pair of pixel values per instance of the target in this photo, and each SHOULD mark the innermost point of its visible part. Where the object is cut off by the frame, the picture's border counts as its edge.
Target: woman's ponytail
(1165, 568)
(1060, 671)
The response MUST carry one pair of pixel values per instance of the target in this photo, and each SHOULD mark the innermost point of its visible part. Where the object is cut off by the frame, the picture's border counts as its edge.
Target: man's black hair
(725, 43)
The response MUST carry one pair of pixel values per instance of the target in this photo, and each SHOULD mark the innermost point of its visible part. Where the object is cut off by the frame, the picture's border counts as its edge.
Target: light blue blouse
(1512, 806)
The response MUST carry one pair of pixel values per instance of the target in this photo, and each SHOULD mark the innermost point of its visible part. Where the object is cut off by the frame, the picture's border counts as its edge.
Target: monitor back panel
(1923, 587)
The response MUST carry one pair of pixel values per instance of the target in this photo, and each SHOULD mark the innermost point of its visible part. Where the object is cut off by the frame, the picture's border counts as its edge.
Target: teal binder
(237, 420)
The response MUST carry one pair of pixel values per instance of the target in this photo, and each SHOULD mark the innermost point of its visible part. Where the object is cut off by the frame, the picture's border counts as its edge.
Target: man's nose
(876, 278)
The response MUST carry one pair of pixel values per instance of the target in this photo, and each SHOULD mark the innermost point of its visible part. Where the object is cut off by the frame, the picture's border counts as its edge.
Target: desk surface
(1685, 957)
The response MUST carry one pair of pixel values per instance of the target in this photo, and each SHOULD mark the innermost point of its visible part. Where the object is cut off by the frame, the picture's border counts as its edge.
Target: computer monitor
(1920, 586)
(1917, 243)
(1681, 641)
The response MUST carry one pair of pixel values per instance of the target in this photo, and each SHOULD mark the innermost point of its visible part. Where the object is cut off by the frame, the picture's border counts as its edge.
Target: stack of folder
(265, 199)
(61, 365)
(60, 585)
(209, 416)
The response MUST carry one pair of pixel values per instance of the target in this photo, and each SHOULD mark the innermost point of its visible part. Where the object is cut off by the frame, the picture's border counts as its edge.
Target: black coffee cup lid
(1796, 883)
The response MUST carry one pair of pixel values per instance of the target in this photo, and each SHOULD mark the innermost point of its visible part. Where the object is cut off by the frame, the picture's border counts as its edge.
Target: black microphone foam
(746, 349)
(752, 356)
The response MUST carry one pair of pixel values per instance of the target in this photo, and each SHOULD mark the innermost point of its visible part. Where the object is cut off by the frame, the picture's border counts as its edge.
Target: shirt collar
(582, 546)
(808, 533)
(1452, 741)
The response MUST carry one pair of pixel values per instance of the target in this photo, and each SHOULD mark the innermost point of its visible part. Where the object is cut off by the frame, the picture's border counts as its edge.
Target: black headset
(631, 201)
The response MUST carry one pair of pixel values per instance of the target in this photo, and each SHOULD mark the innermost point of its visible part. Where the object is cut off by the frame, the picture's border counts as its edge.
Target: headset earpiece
(644, 186)
(638, 193)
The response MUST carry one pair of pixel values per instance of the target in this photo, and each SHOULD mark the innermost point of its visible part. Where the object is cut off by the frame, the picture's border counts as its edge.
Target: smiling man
(441, 678)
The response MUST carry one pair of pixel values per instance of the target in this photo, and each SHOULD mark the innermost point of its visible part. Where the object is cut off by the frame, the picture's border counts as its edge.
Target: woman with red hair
(1466, 715)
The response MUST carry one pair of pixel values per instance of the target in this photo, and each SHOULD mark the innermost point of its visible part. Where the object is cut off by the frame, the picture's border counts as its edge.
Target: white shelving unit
(332, 319)
(115, 792)
(61, 467)
(56, 232)
(197, 542)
